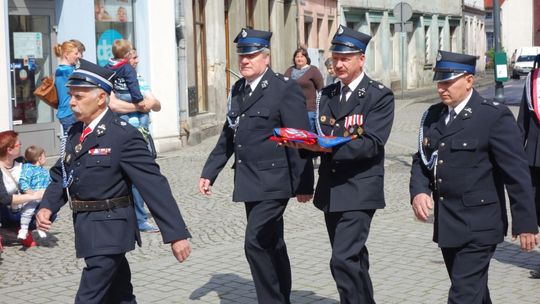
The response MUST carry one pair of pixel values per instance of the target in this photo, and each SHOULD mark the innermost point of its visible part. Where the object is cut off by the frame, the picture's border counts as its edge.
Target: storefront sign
(104, 45)
(27, 44)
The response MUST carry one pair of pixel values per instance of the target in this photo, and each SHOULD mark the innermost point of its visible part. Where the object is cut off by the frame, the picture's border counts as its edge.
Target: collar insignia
(361, 92)
(264, 84)
(101, 129)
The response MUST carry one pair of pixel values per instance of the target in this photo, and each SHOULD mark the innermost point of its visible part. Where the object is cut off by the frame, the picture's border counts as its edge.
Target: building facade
(211, 66)
(474, 32)
(317, 23)
(434, 25)
(517, 25)
(185, 49)
(31, 29)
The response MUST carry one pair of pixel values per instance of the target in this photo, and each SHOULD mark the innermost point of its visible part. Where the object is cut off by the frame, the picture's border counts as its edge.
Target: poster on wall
(114, 20)
(113, 10)
(27, 45)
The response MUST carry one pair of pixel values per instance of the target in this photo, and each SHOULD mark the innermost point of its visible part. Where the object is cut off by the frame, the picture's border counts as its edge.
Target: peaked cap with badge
(452, 65)
(90, 75)
(347, 40)
(250, 41)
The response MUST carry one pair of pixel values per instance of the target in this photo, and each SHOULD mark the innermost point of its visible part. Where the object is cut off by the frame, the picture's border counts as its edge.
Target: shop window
(114, 20)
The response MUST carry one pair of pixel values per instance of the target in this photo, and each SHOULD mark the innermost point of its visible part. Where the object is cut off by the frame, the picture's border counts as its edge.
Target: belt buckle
(109, 204)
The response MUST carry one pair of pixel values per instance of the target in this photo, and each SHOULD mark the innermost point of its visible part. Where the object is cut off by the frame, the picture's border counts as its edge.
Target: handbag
(46, 91)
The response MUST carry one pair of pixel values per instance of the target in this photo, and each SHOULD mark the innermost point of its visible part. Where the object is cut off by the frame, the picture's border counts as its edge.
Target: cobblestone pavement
(406, 266)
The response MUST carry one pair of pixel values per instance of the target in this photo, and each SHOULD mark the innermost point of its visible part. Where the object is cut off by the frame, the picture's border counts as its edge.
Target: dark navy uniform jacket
(100, 177)
(263, 170)
(530, 130)
(352, 176)
(480, 152)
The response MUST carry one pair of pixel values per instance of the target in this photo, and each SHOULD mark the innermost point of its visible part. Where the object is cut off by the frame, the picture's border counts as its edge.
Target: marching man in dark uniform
(350, 186)
(469, 150)
(529, 124)
(266, 175)
(101, 158)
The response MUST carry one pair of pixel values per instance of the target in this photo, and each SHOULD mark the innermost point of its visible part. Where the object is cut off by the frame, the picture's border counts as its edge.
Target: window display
(114, 20)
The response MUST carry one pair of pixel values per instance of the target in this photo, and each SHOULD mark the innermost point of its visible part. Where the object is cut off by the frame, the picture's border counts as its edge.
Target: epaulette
(376, 84)
(120, 122)
(281, 77)
(331, 89)
(494, 104)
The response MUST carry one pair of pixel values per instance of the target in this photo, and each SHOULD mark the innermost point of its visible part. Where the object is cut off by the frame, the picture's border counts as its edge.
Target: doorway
(30, 42)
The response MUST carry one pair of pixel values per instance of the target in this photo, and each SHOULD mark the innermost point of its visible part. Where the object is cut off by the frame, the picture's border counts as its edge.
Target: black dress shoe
(535, 274)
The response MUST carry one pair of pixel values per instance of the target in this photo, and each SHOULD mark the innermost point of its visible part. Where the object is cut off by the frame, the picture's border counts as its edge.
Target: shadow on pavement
(510, 253)
(229, 287)
(9, 239)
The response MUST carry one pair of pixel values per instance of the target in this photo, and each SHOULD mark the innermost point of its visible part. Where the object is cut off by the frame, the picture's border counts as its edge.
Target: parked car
(522, 61)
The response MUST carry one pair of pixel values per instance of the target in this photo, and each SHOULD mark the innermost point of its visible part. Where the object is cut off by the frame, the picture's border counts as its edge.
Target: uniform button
(439, 180)
(273, 165)
(243, 115)
(337, 125)
(239, 146)
(76, 179)
(464, 144)
(108, 216)
(239, 161)
(440, 162)
(78, 164)
(441, 198)
(258, 112)
(98, 162)
(333, 170)
(442, 144)
(482, 201)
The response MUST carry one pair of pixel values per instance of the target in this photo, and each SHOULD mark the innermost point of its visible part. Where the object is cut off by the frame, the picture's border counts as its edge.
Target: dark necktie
(451, 117)
(247, 92)
(344, 92)
(343, 98)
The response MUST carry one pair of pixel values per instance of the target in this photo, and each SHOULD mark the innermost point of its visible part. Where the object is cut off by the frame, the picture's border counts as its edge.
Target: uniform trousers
(535, 176)
(106, 279)
(348, 232)
(467, 268)
(266, 251)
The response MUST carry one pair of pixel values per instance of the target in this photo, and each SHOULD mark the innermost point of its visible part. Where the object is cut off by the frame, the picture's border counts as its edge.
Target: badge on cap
(244, 34)
(439, 56)
(340, 30)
